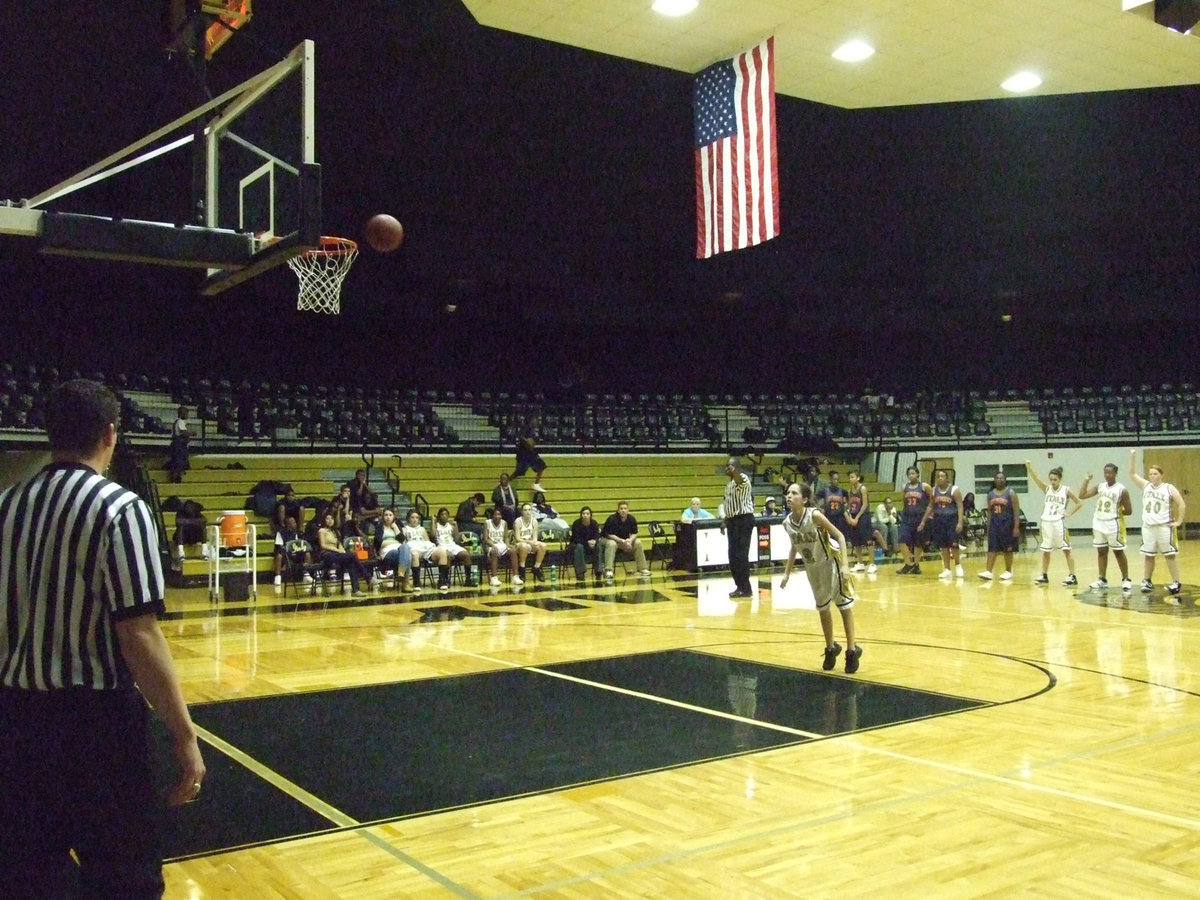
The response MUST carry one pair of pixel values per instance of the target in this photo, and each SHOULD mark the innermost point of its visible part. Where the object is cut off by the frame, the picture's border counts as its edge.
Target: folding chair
(662, 548)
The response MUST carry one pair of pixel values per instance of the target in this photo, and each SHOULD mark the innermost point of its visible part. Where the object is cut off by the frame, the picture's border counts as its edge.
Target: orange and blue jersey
(943, 502)
(1000, 510)
(833, 504)
(854, 502)
(916, 499)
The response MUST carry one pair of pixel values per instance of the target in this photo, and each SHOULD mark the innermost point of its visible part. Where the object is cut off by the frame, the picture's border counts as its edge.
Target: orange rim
(333, 246)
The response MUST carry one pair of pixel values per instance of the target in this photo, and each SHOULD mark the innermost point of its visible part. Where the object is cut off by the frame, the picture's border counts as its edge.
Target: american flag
(737, 183)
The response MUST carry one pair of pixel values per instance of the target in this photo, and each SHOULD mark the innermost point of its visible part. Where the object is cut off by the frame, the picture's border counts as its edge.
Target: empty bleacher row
(1119, 411)
(288, 415)
(848, 418)
(634, 421)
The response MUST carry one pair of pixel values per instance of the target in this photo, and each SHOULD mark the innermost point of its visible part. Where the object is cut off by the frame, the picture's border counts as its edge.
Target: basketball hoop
(321, 272)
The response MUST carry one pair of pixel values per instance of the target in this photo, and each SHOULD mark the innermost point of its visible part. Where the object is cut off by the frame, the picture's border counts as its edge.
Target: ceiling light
(674, 7)
(853, 51)
(1022, 81)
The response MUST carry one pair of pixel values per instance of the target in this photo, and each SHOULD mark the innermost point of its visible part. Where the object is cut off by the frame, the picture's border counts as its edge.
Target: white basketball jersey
(1056, 504)
(1108, 502)
(443, 533)
(1156, 504)
(495, 533)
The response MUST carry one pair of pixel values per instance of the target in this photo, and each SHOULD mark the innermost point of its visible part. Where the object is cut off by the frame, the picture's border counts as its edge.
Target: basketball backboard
(186, 21)
(257, 205)
(229, 16)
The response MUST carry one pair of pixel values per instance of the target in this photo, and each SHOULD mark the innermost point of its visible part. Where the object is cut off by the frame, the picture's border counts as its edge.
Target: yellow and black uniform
(821, 563)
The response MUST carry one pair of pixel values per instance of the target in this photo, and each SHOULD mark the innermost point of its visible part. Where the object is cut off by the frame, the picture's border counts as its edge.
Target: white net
(321, 272)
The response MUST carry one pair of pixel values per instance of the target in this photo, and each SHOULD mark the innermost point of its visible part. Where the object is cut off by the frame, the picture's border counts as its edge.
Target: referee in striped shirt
(81, 653)
(738, 525)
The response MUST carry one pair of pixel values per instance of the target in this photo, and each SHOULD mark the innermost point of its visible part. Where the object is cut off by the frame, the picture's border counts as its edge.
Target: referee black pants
(738, 530)
(75, 775)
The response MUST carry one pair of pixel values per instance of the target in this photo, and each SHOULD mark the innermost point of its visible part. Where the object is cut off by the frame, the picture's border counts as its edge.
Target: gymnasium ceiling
(927, 51)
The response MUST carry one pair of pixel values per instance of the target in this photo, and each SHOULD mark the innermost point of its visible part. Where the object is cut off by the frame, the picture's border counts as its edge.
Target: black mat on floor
(806, 700)
(235, 807)
(395, 750)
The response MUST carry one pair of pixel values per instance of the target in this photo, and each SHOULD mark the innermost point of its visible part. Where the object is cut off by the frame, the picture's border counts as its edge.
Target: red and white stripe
(737, 178)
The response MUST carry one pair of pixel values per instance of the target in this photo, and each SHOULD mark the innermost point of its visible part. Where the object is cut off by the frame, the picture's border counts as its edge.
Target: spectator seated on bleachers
(526, 532)
(366, 518)
(887, 523)
(343, 518)
(426, 550)
(496, 547)
(290, 550)
(358, 490)
(190, 526)
(332, 554)
(448, 538)
(393, 553)
(695, 511)
(619, 535)
(314, 524)
(465, 515)
(288, 507)
(584, 544)
(504, 495)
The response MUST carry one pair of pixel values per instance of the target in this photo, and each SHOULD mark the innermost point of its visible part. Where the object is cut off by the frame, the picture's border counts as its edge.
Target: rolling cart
(233, 552)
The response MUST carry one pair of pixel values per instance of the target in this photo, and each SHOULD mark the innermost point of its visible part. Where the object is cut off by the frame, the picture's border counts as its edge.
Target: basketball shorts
(825, 579)
(908, 534)
(944, 533)
(1000, 538)
(1054, 535)
(1158, 539)
(862, 533)
(1108, 533)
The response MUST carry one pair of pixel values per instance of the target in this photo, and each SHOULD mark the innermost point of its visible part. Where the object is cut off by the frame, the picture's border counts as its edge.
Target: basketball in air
(384, 233)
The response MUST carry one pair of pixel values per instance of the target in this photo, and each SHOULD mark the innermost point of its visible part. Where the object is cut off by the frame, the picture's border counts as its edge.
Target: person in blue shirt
(695, 512)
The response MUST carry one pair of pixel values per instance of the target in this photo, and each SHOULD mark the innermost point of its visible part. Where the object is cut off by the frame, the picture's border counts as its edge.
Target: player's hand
(1175, 524)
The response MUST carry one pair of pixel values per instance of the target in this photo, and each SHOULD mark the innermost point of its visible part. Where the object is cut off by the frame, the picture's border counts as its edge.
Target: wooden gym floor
(653, 738)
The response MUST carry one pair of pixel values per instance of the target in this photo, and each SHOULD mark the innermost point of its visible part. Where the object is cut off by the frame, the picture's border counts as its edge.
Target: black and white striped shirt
(77, 553)
(739, 496)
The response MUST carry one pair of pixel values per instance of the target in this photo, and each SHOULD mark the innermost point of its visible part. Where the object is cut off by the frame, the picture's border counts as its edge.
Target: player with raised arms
(1053, 523)
(1108, 525)
(1162, 512)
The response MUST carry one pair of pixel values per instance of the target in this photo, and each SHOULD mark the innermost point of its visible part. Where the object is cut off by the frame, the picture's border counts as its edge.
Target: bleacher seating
(657, 488)
(286, 415)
